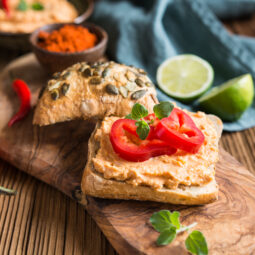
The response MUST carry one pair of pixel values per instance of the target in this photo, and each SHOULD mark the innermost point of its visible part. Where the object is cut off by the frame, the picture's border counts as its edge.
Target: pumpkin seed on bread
(93, 91)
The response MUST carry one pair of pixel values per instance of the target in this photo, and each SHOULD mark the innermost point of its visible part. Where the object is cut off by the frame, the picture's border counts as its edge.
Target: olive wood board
(57, 155)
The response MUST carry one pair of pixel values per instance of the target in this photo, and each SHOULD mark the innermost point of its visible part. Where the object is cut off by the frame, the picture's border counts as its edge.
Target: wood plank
(49, 154)
(83, 237)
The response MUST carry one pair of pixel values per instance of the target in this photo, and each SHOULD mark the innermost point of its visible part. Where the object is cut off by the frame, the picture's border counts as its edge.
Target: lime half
(230, 99)
(185, 77)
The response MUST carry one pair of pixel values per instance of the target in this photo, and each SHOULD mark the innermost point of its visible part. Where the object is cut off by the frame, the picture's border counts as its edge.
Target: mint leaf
(167, 236)
(196, 243)
(164, 219)
(138, 111)
(174, 217)
(37, 6)
(161, 220)
(168, 224)
(163, 109)
(22, 6)
(129, 116)
(143, 129)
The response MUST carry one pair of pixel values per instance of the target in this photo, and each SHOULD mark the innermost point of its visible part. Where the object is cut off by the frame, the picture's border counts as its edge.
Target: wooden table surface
(41, 220)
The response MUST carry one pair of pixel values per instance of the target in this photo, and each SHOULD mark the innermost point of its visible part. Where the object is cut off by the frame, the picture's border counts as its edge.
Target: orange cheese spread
(26, 21)
(182, 168)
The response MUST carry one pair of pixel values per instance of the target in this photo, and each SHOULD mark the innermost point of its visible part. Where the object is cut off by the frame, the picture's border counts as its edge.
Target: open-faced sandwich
(175, 163)
(139, 149)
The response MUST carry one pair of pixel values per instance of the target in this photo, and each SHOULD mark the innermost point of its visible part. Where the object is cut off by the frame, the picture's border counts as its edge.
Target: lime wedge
(185, 77)
(230, 99)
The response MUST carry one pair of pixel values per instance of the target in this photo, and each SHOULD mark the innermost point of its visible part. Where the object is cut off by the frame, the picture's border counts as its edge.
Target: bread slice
(89, 92)
(94, 183)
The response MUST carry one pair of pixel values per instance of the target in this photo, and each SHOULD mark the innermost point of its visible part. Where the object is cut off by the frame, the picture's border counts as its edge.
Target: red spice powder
(69, 38)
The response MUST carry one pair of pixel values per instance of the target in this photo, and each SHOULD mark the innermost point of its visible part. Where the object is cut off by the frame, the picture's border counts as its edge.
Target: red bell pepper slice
(5, 6)
(129, 146)
(180, 131)
(24, 94)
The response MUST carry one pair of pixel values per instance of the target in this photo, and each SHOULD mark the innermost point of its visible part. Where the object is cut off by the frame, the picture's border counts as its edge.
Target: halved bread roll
(86, 91)
(96, 182)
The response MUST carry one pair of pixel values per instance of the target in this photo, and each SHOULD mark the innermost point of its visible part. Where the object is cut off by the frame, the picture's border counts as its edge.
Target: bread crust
(94, 184)
(85, 100)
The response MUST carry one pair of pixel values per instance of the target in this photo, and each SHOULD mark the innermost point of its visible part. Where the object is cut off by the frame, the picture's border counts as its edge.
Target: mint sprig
(129, 116)
(163, 109)
(168, 224)
(167, 236)
(37, 6)
(139, 112)
(162, 220)
(6, 191)
(143, 129)
(22, 6)
(174, 217)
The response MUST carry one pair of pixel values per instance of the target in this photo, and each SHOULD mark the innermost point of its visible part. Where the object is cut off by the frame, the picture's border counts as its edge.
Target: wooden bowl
(58, 61)
(20, 41)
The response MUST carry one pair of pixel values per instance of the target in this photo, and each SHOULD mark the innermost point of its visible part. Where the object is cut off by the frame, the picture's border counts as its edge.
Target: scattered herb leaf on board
(6, 191)
(161, 220)
(167, 236)
(168, 224)
(196, 243)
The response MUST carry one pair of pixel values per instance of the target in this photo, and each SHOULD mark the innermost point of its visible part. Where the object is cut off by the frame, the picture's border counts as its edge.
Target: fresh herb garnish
(6, 191)
(168, 224)
(22, 6)
(37, 6)
(143, 129)
(174, 217)
(129, 116)
(167, 236)
(139, 112)
(196, 243)
(161, 220)
(163, 109)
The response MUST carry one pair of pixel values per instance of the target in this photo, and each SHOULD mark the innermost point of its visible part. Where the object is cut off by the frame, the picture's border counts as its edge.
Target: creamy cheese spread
(182, 168)
(55, 11)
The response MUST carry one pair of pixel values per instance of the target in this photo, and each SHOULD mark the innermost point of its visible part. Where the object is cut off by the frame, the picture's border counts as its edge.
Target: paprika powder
(69, 38)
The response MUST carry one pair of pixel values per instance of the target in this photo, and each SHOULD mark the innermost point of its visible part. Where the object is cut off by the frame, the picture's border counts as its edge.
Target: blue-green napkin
(146, 32)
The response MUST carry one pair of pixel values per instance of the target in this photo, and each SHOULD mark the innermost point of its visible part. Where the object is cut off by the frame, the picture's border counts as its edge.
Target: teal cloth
(144, 33)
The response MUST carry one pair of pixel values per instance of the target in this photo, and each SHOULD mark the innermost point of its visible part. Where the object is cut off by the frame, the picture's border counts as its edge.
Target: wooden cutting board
(57, 155)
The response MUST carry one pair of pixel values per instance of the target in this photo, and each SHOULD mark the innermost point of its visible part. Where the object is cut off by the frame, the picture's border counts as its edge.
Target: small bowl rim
(103, 41)
(78, 20)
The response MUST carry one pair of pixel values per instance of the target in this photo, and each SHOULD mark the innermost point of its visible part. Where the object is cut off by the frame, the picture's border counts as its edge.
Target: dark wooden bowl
(56, 61)
(20, 41)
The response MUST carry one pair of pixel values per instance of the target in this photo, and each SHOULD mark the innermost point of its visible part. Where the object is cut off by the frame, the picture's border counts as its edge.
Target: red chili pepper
(129, 146)
(180, 131)
(6, 7)
(23, 92)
